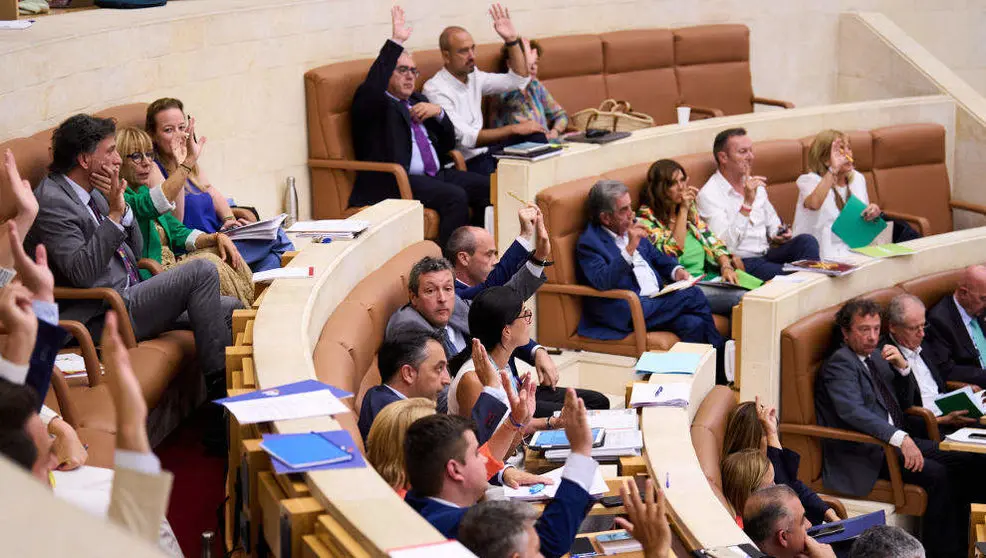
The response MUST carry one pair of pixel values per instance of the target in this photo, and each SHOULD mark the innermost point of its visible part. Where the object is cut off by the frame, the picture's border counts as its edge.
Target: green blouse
(140, 202)
(662, 237)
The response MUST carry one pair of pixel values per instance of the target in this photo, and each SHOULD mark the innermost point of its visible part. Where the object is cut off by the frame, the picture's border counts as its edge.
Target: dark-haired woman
(668, 210)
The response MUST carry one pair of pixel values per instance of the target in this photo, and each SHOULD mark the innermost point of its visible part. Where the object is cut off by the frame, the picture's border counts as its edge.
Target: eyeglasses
(915, 328)
(403, 70)
(527, 316)
(137, 156)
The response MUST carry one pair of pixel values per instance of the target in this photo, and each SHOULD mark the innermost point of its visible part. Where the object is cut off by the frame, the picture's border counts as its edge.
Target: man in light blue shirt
(956, 329)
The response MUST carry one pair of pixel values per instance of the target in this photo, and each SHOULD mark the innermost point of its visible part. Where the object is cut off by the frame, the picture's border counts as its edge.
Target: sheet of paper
(613, 419)
(446, 549)
(653, 362)
(18, 24)
(964, 435)
(598, 487)
(330, 226)
(282, 273)
(885, 250)
(677, 286)
(660, 395)
(70, 362)
(293, 401)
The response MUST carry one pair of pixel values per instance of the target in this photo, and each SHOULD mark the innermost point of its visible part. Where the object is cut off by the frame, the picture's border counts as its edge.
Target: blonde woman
(166, 240)
(743, 473)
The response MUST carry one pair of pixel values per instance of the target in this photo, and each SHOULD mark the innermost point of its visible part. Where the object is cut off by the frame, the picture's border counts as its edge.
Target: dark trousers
(771, 264)
(952, 481)
(687, 314)
(452, 193)
(485, 163)
(550, 401)
(902, 231)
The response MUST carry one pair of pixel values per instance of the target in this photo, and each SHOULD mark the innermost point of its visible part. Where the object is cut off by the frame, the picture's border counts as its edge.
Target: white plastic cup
(684, 114)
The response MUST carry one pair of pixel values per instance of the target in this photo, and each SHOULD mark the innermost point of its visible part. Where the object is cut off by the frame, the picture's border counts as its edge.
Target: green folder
(885, 250)
(959, 400)
(747, 281)
(852, 228)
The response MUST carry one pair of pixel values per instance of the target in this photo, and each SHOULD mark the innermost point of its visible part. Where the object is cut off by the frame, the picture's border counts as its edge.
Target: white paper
(261, 230)
(70, 362)
(446, 549)
(611, 419)
(962, 435)
(18, 24)
(598, 487)
(286, 407)
(281, 273)
(330, 226)
(677, 286)
(616, 443)
(660, 395)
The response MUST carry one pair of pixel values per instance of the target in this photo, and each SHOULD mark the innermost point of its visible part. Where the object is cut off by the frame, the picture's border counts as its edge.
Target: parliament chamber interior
(751, 234)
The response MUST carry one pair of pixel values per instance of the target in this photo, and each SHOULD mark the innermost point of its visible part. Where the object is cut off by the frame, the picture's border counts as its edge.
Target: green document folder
(959, 400)
(885, 250)
(747, 281)
(852, 228)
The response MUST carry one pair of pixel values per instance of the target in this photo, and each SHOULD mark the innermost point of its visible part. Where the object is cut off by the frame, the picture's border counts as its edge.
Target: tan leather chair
(804, 347)
(345, 355)
(639, 68)
(708, 435)
(572, 70)
(780, 161)
(932, 288)
(712, 64)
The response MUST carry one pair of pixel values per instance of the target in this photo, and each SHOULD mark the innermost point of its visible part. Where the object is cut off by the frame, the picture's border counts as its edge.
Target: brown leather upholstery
(345, 355)
(708, 433)
(639, 68)
(572, 70)
(932, 288)
(780, 161)
(712, 64)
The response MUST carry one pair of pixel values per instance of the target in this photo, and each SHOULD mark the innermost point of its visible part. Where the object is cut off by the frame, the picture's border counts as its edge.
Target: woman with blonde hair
(823, 192)
(166, 240)
(743, 473)
(753, 426)
(385, 443)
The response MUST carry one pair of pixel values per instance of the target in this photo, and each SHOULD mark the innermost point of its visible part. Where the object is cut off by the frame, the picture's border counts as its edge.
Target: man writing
(459, 89)
(735, 206)
(393, 124)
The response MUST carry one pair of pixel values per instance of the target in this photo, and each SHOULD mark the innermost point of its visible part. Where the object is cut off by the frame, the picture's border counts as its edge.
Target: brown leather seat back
(780, 161)
(571, 67)
(712, 64)
(428, 62)
(699, 167)
(634, 176)
(329, 94)
(932, 288)
(564, 209)
(708, 433)
(909, 167)
(639, 66)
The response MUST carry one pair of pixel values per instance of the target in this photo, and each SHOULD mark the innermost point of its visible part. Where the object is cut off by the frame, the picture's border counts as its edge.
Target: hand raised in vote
(400, 31)
(502, 24)
(485, 370)
(17, 200)
(577, 424)
(33, 274)
(522, 403)
(193, 144)
(527, 215)
(542, 245)
(647, 519)
(131, 409)
(18, 318)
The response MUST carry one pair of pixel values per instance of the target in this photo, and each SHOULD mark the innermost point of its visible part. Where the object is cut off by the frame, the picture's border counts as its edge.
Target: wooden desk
(614, 485)
(637, 554)
(949, 445)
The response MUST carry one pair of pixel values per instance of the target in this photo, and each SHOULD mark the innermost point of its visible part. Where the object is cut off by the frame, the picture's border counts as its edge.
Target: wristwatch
(537, 261)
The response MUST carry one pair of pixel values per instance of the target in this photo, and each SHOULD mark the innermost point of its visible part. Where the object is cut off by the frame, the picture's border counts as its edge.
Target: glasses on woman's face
(137, 157)
(527, 315)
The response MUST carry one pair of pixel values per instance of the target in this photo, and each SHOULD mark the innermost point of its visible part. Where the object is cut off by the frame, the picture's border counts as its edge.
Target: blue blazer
(513, 259)
(602, 267)
(486, 412)
(48, 341)
(557, 526)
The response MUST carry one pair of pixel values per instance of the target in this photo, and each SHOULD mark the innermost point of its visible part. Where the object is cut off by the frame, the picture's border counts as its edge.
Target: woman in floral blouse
(667, 209)
(531, 103)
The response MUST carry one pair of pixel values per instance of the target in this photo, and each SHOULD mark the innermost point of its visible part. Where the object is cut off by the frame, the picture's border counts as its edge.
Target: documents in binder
(617, 443)
(336, 229)
(969, 435)
(312, 451)
(671, 394)
(308, 398)
(963, 399)
(261, 230)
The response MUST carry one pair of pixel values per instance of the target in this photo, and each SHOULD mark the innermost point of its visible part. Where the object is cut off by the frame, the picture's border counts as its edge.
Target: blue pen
(667, 480)
(536, 488)
(659, 390)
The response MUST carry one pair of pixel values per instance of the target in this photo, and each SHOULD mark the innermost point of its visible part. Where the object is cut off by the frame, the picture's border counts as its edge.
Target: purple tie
(131, 268)
(424, 145)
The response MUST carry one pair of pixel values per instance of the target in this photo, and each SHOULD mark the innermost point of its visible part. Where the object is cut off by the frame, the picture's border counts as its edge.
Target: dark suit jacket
(907, 390)
(601, 266)
(80, 253)
(49, 340)
(557, 526)
(486, 412)
(846, 397)
(381, 128)
(512, 261)
(956, 354)
(786, 463)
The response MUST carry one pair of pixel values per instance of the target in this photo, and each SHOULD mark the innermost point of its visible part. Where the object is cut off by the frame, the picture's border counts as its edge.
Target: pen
(659, 390)
(516, 197)
(667, 480)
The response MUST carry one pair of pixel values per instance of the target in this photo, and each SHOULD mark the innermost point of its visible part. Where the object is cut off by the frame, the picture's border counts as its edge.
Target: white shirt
(926, 382)
(898, 437)
(719, 204)
(818, 223)
(463, 102)
(646, 277)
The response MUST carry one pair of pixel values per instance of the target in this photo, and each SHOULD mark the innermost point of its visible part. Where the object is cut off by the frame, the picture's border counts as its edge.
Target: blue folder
(667, 363)
(854, 527)
(315, 451)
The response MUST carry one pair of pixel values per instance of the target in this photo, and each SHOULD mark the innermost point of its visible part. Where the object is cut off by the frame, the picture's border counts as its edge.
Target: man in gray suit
(853, 391)
(93, 241)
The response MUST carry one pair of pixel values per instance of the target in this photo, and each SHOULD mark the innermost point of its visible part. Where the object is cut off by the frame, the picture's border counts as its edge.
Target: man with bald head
(956, 329)
(775, 521)
(459, 89)
(391, 123)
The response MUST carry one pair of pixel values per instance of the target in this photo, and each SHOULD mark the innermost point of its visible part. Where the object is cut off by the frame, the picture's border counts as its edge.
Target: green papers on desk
(885, 250)
(744, 281)
(963, 399)
(667, 363)
(852, 228)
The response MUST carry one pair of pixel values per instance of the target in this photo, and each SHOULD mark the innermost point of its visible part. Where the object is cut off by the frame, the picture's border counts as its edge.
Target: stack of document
(677, 286)
(667, 363)
(261, 230)
(660, 395)
(547, 491)
(617, 443)
(963, 399)
(885, 250)
(308, 398)
(611, 419)
(336, 229)
(72, 365)
(969, 435)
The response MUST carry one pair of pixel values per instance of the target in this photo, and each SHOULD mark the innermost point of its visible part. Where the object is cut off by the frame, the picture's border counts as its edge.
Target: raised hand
(527, 215)
(131, 409)
(34, 274)
(179, 146)
(118, 206)
(522, 403)
(193, 145)
(646, 520)
(18, 317)
(768, 420)
(17, 200)
(542, 246)
(577, 424)
(400, 31)
(485, 370)
(502, 24)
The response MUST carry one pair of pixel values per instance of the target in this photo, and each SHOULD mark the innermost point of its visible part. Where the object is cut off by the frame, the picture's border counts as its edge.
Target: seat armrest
(110, 297)
(929, 421)
(772, 102)
(81, 335)
(708, 112)
(968, 206)
(922, 224)
(150, 265)
(825, 432)
(66, 408)
(400, 175)
(836, 504)
(636, 309)
(460, 161)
